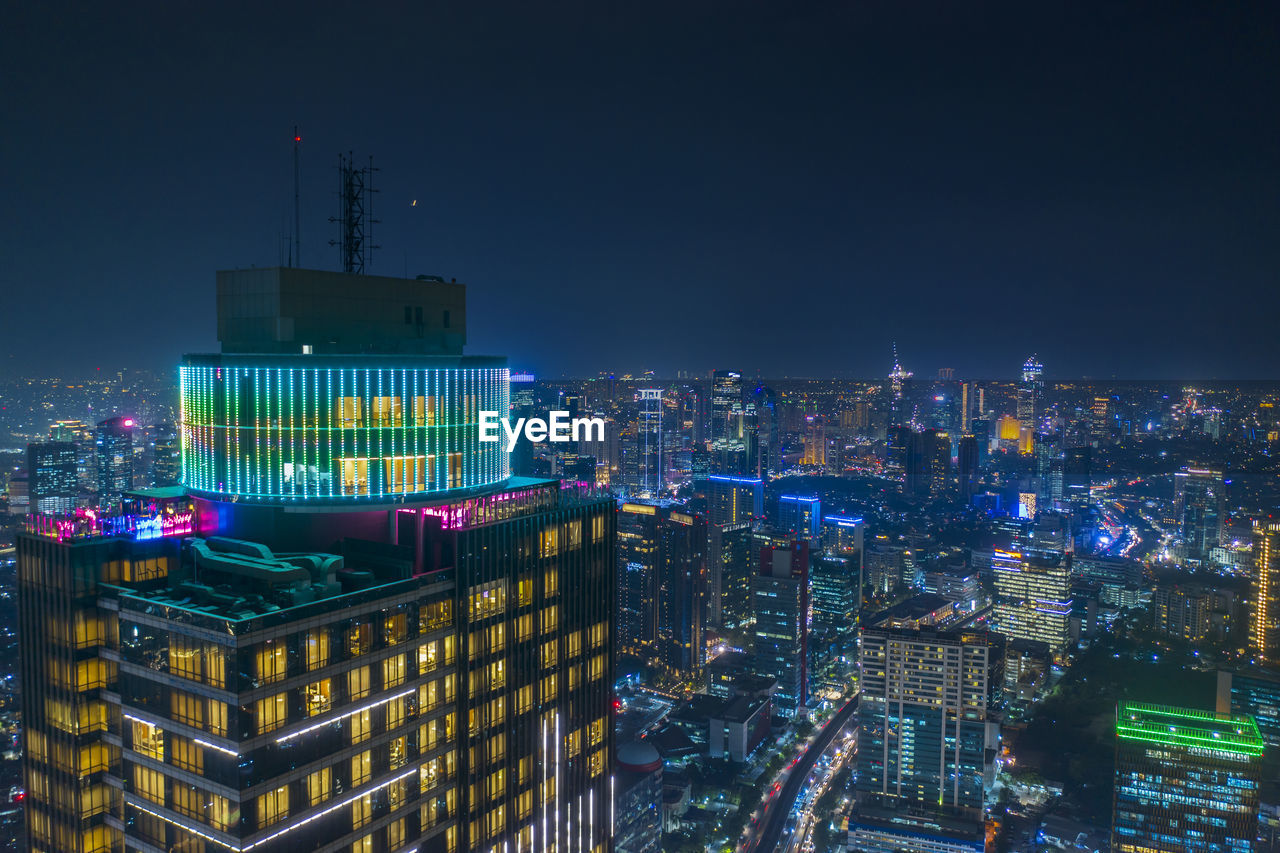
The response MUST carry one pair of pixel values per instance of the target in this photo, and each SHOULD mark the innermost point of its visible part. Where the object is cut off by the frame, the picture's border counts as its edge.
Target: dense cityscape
(906, 613)
(640, 428)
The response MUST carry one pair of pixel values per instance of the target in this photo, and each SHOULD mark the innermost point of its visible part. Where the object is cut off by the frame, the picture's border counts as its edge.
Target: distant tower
(649, 441)
(897, 379)
(355, 218)
(1029, 390)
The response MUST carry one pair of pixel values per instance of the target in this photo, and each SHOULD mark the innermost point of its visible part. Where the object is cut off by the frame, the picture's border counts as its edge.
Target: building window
(361, 725)
(186, 754)
(361, 768)
(273, 806)
(393, 671)
(358, 683)
(271, 713)
(319, 786)
(318, 696)
(317, 648)
(272, 661)
(148, 783)
(148, 740)
(359, 639)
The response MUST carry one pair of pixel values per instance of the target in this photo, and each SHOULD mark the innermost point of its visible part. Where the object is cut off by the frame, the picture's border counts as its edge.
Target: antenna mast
(297, 223)
(355, 215)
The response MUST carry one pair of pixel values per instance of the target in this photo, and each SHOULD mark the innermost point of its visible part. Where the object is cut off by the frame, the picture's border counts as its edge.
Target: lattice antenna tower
(355, 215)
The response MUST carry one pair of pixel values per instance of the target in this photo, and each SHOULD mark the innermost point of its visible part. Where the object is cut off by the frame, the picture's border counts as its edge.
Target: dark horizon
(772, 188)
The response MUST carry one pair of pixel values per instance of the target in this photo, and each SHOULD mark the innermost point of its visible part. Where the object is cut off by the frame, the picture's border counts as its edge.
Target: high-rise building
(927, 739)
(844, 535)
(1033, 596)
(663, 586)
(1264, 619)
(649, 444)
(1102, 420)
(801, 516)
(52, 476)
(726, 405)
(729, 569)
(1186, 781)
(114, 451)
(638, 800)
(1200, 509)
(732, 500)
(835, 585)
(780, 594)
(166, 456)
(353, 631)
(1029, 390)
(968, 470)
(815, 441)
(1254, 692)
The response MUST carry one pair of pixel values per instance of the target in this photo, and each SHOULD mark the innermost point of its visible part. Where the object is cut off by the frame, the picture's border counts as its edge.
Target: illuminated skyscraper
(1029, 391)
(350, 630)
(649, 439)
(1033, 596)
(51, 472)
(732, 500)
(114, 451)
(780, 597)
(801, 517)
(1264, 620)
(925, 739)
(726, 405)
(1200, 509)
(1186, 781)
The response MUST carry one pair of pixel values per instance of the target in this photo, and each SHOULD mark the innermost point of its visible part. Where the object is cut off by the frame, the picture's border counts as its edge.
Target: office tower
(638, 799)
(981, 429)
(1102, 420)
(925, 737)
(683, 587)
(800, 516)
(937, 453)
(1200, 509)
(1077, 474)
(354, 630)
(1186, 781)
(1033, 596)
(726, 404)
(1254, 692)
(166, 458)
(835, 585)
(114, 452)
(1264, 619)
(649, 438)
(82, 436)
(52, 477)
(663, 586)
(780, 594)
(729, 568)
(967, 403)
(733, 500)
(898, 451)
(968, 470)
(898, 379)
(815, 441)
(844, 535)
(1029, 390)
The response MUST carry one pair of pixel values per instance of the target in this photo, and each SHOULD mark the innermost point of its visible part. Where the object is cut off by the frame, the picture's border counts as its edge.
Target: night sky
(757, 186)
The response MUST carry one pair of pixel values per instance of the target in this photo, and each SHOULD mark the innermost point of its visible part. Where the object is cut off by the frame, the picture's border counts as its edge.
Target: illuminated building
(844, 535)
(926, 736)
(815, 442)
(649, 439)
(52, 476)
(937, 445)
(1008, 428)
(729, 568)
(726, 404)
(166, 456)
(638, 800)
(800, 516)
(968, 470)
(1254, 692)
(1264, 623)
(780, 595)
(733, 500)
(1029, 390)
(1185, 780)
(835, 588)
(663, 586)
(1033, 596)
(1102, 420)
(113, 440)
(1199, 509)
(330, 637)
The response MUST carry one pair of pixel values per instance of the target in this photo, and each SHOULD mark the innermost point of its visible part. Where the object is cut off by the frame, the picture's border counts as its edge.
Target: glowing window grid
(291, 433)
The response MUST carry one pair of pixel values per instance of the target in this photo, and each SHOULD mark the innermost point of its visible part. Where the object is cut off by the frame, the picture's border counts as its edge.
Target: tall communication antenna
(355, 214)
(296, 260)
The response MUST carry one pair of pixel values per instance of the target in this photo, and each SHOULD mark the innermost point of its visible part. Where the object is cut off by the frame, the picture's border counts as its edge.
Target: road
(778, 808)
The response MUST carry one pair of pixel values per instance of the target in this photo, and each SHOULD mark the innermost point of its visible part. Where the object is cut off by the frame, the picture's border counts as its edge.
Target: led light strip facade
(309, 429)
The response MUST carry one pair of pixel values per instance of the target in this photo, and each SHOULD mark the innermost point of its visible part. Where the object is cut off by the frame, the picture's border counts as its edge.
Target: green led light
(1169, 726)
(301, 432)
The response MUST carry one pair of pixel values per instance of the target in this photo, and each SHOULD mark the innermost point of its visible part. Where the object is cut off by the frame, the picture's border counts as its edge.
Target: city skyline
(880, 163)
